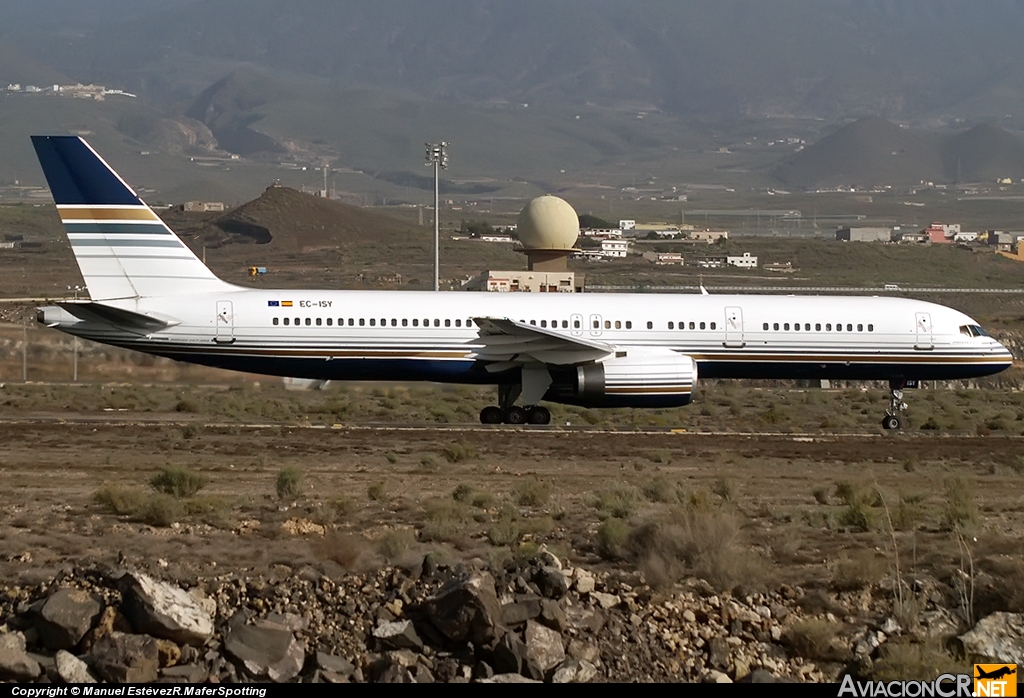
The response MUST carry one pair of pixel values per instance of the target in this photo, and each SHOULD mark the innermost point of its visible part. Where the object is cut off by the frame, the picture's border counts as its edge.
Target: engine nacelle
(634, 377)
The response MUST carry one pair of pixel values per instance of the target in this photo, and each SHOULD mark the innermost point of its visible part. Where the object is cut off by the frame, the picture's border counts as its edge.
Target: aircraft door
(225, 323)
(734, 327)
(576, 322)
(924, 331)
(595, 325)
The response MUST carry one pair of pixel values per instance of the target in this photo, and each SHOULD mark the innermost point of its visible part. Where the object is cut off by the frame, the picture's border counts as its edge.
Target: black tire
(890, 421)
(516, 415)
(490, 415)
(538, 415)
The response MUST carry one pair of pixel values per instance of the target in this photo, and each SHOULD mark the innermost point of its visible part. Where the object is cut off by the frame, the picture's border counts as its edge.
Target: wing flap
(509, 342)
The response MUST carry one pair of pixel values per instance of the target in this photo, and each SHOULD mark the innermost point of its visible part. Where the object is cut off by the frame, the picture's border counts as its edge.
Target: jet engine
(633, 377)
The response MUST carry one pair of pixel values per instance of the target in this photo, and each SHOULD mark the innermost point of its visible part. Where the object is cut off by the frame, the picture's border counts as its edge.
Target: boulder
(399, 634)
(164, 611)
(997, 638)
(544, 649)
(466, 610)
(66, 617)
(15, 664)
(126, 658)
(71, 669)
(265, 653)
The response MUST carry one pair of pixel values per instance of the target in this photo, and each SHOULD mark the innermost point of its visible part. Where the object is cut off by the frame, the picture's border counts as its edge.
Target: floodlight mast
(437, 156)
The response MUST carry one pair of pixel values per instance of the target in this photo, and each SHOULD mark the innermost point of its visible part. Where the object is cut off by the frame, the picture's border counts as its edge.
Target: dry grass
(816, 639)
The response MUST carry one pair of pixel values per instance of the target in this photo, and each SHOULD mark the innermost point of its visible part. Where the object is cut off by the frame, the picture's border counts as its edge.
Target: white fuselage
(403, 335)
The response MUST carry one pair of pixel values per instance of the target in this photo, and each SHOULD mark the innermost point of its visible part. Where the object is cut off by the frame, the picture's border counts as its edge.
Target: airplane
(150, 293)
(995, 673)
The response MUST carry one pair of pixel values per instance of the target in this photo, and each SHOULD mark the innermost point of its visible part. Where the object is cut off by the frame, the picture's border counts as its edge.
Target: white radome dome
(548, 223)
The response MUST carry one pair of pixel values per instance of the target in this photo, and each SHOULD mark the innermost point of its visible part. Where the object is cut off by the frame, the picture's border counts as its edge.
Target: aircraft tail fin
(122, 247)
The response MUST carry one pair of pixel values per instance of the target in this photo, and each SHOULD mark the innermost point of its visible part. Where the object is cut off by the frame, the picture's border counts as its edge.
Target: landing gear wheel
(538, 415)
(490, 415)
(890, 421)
(515, 415)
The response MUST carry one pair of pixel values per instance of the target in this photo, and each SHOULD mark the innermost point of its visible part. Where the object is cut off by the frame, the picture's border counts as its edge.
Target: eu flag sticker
(273, 304)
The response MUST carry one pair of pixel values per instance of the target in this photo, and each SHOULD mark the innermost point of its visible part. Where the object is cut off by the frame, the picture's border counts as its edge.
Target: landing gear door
(225, 323)
(924, 331)
(734, 327)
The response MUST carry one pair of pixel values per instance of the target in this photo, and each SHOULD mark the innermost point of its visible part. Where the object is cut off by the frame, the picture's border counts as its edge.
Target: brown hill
(867, 152)
(286, 219)
(875, 151)
(983, 153)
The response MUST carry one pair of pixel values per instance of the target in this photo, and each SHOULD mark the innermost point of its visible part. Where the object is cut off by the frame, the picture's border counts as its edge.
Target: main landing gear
(892, 419)
(508, 413)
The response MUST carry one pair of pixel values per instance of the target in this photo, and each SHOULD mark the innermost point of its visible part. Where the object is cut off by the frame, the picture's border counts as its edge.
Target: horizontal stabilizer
(118, 317)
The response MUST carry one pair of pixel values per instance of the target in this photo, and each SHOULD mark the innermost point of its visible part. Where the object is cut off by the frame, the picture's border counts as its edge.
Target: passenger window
(702, 325)
(807, 327)
(533, 322)
(319, 322)
(373, 322)
(405, 322)
(437, 323)
(447, 323)
(693, 326)
(469, 323)
(775, 326)
(650, 325)
(576, 324)
(565, 324)
(458, 322)
(849, 327)
(275, 321)
(796, 326)
(543, 323)
(828, 326)
(298, 321)
(415, 322)
(309, 321)
(871, 328)
(394, 322)
(383, 322)
(330, 321)
(764, 326)
(671, 326)
(817, 327)
(618, 324)
(713, 325)
(785, 326)
(286, 321)
(839, 327)
(860, 328)
(629, 324)
(597, 325)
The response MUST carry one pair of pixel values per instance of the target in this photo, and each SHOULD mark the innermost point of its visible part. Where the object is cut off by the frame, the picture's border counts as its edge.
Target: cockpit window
(973, 331)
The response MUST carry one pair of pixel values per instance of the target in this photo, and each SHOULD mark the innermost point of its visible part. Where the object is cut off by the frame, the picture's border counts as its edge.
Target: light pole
(438, 157)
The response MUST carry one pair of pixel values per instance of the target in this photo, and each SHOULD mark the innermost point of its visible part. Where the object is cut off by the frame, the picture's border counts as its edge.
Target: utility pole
(438, 157)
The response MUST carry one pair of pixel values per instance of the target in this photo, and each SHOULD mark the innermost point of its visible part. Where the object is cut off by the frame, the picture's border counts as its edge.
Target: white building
(627, 224)
(745, 261)
(709, 236)
(614, 248)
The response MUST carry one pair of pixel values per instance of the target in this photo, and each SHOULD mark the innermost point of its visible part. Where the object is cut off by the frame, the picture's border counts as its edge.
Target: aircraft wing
(509, 343)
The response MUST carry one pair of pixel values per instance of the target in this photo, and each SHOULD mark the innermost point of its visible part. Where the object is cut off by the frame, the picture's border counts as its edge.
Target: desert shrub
(458, 452)
(505, 531)
(820, 495)
(659, 489)
(345, 549)
(396, 543)
(960, 511)
(659, 456)
(123, 501)
(859, 569)
(861, 502)
(186, 404)
(289, 483)
(814, 638)
(724, 488)
(445, 520)
(612, 537)
(905, 661)
(483, 500)
(618, 502)
(178, 481)
(160, 510)
(462, 492)
(376, 491)
(429, 463)
(702, 542)
(531, 493)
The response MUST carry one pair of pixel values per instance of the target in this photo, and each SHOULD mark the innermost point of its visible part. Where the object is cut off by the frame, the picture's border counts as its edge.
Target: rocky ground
(537, 619)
